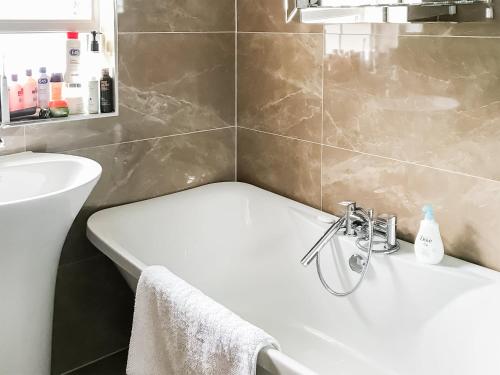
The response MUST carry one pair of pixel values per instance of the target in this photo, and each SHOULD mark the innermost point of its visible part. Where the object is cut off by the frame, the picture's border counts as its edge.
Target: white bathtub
(241, 245)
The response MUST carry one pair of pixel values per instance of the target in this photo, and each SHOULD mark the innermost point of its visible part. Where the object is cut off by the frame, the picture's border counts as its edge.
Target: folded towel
(178, 330)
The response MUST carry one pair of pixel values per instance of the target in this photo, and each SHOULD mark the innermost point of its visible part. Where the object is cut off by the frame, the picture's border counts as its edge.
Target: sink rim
(30, 158)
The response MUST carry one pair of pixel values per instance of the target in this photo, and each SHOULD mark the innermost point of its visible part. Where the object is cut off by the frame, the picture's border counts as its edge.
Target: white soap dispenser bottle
(428, 244)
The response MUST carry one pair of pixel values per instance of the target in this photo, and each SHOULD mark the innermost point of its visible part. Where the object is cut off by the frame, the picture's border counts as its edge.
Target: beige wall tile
(430, 100)
(466, 207)
(188, 87)
(282, 165)
(279, 83)
(70, 135)
(176, 15)
(268, 15)
(144, 169)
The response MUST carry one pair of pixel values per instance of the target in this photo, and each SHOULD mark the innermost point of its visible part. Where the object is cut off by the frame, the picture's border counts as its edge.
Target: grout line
(378, 156)
(91, 258)
(174, 32)
(446, 36)
(94, 361)
(278, 33)
(149, 139)
(374, 34)
(416, 164)
(322, 118)
(236, 90)
(281, 135)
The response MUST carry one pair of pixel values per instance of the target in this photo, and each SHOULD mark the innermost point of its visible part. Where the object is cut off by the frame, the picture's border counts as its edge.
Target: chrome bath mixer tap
(373, 235)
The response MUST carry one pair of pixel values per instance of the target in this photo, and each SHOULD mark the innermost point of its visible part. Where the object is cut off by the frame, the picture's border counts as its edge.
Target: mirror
(388, 11)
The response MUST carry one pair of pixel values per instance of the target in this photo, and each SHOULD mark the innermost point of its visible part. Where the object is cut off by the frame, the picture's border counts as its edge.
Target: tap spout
(311, 254)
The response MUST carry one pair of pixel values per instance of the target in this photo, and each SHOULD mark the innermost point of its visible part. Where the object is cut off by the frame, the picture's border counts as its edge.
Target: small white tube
(4, 98)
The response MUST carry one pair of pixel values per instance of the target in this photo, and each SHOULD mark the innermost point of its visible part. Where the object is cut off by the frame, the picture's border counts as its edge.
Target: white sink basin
(40, 196)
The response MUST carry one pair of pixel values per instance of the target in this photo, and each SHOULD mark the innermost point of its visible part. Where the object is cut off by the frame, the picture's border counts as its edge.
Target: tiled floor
(113, 365)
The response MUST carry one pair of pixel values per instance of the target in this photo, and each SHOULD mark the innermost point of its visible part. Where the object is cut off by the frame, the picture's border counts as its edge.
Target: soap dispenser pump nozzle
(94, 44)
(428, 212)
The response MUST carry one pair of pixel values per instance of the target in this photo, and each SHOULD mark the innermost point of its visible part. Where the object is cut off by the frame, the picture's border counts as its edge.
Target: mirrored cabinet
(388, 11)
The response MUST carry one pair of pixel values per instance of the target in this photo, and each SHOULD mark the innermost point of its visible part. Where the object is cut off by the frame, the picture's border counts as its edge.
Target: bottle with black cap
(107, 92)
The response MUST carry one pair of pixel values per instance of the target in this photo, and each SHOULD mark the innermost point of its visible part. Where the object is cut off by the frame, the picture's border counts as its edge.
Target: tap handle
(347, 203)
(389, 222)
(350, 206)
(386, 219)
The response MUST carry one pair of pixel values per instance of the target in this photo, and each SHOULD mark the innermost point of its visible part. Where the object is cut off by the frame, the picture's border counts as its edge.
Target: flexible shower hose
(363, 271)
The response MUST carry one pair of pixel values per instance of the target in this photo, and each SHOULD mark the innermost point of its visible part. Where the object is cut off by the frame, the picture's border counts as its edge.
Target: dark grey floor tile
(113, 365)
(92, 313)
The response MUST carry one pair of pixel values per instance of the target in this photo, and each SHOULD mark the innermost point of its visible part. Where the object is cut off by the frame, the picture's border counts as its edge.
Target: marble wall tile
(430, 100)
(279, 83)
(70, 135)
(188, 87)
(268, 15)
(389, 186)
(145, 169)
(282, 165)
(92, 313)
(13, 138)
(176, 15)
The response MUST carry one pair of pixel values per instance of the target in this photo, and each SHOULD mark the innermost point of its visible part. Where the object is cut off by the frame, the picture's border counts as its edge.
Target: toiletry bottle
(106, 92)
(93, 104)
(95, 59)
(16, 94)
(30, 91)
(73, 53)
(4, 97)
(43, 89)
(428, 244)
(56, 85)
(74, 97)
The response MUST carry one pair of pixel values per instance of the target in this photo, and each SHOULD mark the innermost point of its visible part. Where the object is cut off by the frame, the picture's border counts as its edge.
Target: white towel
(178, 330)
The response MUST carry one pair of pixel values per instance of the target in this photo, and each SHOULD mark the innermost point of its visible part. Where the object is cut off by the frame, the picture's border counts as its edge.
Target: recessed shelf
(75, 56)
(71, 118)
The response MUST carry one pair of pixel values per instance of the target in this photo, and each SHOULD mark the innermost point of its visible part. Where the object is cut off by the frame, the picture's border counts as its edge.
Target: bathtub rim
(127, 261)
